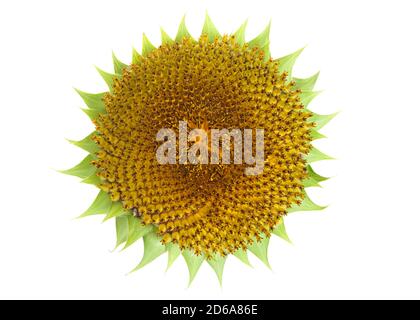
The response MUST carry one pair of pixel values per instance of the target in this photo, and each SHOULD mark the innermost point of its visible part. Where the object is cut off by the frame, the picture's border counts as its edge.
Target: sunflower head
(206, 211)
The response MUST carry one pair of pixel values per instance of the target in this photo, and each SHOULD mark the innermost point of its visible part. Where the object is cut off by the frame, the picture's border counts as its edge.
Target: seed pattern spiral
(206, 208)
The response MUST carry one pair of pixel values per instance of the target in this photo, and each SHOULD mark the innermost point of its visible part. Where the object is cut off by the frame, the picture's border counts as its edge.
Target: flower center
(222, 85)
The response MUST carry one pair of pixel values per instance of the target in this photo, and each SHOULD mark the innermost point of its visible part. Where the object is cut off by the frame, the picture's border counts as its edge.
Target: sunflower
(205, 212)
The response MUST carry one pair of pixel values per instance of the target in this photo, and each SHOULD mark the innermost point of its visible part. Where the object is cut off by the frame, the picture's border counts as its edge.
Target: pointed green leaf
(306, 84)
(121, 226)
(307, 96)
(116, 210)
(266, 50)
(193, 262)
(315, 175)
(313, 178)
(240, 33)
(286, 63)
(82, 170)
(92, 179)
(321, 120)
(260, 249)
(147, 46)
(92, 114)
(182, 31)
(243, 256)
(210, 29)
(173, 253)
(136, 230)
(316, 155)
(166, 39)
(118, 65)
(93, 100)
(217, 262)
(315, 135)
(135, 57)
(101, 205)
(262, 41)
(306, 205)
(280, 231)
(153, 248)
(86, 144)
(309, 182)
(108, 77)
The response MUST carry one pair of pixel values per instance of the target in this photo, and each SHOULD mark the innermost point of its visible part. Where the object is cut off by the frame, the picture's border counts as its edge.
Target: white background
(365, 245)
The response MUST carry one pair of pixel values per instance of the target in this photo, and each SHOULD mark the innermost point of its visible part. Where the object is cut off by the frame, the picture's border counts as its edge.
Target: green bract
(129, 229)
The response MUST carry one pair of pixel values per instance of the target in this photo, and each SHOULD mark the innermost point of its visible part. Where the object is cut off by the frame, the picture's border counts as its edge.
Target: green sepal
(307, 96)
(280, 231)
(260, 250)
(309, 182)
(286, 63)
(93, 101)
(321, 120)
(315, 175)
(313, 178)
(307, 83)
(262, 41)
(86, 144)
(217, 262)
(147, 46)
(306, 205)
(173, 253)
(240, 33)
(210, 29)
(316, 155)
(193, 263)
(182, 31)
(136, 230)
(243, 256)
(82, 170)
(91, 113)
(315, 135)
(108, 77)
(153, 248)
(166, 39)
(116, 210)
(266, 50)
(118, 65)
(100, 205)
(136, 57)
(121, 227)
(93, 179)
